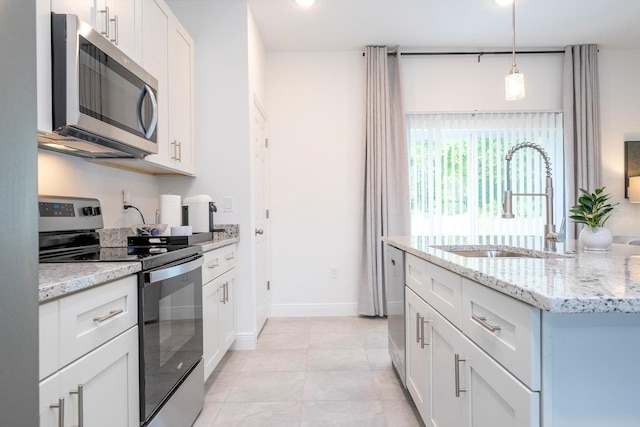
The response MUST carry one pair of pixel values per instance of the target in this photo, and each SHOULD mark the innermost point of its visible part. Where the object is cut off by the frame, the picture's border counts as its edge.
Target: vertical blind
(457, 172)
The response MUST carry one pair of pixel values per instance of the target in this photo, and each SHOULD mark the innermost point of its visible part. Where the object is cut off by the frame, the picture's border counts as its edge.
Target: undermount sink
(497, 251)
(489, 254)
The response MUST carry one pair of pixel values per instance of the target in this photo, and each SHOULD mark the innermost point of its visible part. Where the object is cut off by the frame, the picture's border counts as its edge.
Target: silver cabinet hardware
(115, 30)
(80, 393)
(457, 361)
(230, 256)
(214, 264)
(483, 322)
(422, 343)
(179, 155)
(222, 293)
(106, 21)
(111, 314)
(60, 407)
(418, 327)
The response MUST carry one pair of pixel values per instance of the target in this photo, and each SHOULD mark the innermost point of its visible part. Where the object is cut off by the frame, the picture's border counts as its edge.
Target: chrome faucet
(550, 235)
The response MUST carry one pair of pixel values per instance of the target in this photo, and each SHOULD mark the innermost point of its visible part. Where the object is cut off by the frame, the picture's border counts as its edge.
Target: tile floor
(310, 372)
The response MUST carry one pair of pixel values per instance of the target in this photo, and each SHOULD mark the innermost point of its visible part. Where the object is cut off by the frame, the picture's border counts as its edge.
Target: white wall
(315, 107)
(229, 73)
(63, 175)
(620, 110)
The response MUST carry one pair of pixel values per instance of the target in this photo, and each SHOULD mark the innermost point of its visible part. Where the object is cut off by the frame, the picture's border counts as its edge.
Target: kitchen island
(546, 339)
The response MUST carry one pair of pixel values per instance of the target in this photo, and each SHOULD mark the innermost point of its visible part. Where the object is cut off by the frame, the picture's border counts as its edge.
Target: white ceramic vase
(596, 239)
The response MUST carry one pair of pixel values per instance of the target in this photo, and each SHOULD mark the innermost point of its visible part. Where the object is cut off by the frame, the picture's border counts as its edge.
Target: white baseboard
(314, 310)
(245, 341)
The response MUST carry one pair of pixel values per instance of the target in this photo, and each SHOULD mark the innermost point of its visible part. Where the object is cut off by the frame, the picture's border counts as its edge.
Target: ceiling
(445, 24)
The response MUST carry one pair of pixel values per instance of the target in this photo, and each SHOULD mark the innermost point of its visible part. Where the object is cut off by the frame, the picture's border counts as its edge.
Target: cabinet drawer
(507, 329)
(93, 317)
(217, 262)
(439, 287)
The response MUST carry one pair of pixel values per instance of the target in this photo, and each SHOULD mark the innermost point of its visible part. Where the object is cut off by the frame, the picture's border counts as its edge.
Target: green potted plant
(593, 210)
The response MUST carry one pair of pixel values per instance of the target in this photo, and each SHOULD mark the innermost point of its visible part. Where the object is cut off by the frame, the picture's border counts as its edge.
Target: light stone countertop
(576, 282)
(60, 279)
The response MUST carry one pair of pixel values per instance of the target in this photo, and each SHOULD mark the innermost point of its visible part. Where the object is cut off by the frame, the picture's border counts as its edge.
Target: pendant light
(514, 82)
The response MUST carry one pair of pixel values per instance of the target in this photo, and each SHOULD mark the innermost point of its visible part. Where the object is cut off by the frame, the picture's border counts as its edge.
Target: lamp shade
(514, 85)
(634, 189)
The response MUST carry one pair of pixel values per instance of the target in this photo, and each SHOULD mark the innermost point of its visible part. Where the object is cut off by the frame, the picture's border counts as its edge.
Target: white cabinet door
(155, 48)
(50, 394)
(181, 97)
(167, 52)
(416, 356)
(116, 20)
(211, 293)
(494, 396)
(445, 404)
(108, 377)
(227, 310)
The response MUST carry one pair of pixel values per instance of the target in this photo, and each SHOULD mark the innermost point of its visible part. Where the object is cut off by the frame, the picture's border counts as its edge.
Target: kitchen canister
(170, 211)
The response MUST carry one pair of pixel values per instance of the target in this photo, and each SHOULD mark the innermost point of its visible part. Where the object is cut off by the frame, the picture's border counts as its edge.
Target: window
(457, 172)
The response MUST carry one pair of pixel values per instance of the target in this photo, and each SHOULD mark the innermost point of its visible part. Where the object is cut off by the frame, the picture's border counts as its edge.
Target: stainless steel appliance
(103, 103)
(394, 291)
(169, 304)
(197, 211)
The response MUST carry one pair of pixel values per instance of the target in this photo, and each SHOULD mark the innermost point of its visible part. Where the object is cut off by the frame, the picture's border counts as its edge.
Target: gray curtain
(581, 109)
(386, 183)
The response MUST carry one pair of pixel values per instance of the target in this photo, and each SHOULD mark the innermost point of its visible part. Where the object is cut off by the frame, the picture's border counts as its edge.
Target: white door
(261, 219)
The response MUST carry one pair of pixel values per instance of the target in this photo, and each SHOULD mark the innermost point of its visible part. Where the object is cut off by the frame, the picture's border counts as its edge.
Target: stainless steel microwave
(103, 103)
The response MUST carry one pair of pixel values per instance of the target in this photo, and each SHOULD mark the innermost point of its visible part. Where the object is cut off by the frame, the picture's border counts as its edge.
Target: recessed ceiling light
(305, 3)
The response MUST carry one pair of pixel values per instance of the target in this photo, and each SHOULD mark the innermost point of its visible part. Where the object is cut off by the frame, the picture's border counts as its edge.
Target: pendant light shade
(514, 82)
(514, 85)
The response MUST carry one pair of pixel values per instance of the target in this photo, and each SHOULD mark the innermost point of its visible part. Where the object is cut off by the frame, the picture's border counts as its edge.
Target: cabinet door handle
(226, 292)
(60, 407)
(422, 343)
(112, 313)
(483, 322)
(418, 327)
(79, 392)
(457, 360)
(179, 147)
(106, 21)
(222, 292)
(115, 29)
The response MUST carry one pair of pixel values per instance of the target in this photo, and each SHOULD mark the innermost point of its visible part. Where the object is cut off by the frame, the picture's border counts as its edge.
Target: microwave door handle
(154, 107)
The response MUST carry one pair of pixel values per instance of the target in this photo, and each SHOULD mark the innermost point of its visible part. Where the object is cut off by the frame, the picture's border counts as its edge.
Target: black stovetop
(150, 257)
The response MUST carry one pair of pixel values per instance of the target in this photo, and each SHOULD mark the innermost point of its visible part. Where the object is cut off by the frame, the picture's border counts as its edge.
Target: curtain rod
(479, 54)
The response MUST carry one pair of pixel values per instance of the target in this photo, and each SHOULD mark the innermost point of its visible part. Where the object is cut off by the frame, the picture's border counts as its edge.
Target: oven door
(170, 325)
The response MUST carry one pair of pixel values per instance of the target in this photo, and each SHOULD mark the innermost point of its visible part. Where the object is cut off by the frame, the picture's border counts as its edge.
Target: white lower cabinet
(218, 305)
(453, 382)
(101, 388)
(89, 357)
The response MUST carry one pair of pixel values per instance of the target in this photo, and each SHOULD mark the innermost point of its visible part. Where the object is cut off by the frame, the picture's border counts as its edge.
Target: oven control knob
(91, 211)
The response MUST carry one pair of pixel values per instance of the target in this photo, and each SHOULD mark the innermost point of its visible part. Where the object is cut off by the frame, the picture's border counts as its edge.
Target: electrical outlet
(333, 272)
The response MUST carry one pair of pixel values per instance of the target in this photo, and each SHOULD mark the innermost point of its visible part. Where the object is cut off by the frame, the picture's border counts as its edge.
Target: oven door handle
(176, 270)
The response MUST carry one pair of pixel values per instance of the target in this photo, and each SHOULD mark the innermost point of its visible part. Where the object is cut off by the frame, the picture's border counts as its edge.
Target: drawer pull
(111, 314)
(79, 392)
(422, 343)
(457, 360)
(212, 265)
(60, 407)
(230, 256)
(483, 321)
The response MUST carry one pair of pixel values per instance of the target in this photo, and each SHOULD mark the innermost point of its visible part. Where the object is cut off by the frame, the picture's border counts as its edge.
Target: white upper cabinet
(117, 20)
(167, 53)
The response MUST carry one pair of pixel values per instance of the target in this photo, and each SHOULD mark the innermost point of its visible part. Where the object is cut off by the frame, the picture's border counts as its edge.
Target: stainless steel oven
(170, 324)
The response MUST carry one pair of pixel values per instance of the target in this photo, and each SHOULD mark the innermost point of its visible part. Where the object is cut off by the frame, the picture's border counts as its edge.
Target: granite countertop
(59, 279)
(572, 281)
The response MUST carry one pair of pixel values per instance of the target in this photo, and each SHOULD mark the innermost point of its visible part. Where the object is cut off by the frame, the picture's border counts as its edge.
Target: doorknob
(259, 231)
